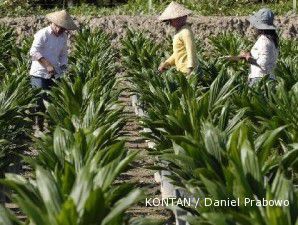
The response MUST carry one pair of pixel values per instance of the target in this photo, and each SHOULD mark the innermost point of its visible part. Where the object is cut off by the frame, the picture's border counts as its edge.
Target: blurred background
(139, 7)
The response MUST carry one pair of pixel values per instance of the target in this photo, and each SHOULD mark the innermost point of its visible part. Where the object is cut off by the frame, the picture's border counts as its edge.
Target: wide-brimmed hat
(263, 20)
(62, 19)
(173, 11)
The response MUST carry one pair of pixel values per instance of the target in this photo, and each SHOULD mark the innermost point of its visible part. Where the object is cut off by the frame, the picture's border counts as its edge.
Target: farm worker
(263, 55)
(184, 56)
(49, 55)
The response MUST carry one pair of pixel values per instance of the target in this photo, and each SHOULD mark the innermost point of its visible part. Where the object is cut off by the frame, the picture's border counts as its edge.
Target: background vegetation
(136, 7)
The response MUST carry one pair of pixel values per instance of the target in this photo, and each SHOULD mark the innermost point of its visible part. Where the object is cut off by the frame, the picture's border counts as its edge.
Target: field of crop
(215, 136)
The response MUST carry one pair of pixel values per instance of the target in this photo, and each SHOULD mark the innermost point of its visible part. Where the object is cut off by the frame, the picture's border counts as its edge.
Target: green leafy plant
(221, 139)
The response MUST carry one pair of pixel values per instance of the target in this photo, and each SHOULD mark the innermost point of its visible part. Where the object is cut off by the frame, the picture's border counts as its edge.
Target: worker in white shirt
(49, 55)
(263, 55)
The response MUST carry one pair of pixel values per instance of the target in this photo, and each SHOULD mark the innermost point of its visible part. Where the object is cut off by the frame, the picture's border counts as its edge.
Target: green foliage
(7, 40)
(222, 139)
(15, 125)
(82, 155)
(45, 200)
(139, 51)
(15, 107)
(228, 44)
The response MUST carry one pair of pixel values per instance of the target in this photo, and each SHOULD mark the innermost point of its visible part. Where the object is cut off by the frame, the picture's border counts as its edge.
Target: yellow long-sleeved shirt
(184, 51)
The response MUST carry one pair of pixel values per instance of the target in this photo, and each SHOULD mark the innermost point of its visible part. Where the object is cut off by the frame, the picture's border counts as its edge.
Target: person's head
(175, 14)
(60, 22)
(178, 22)
(263, 24)
(57, 29)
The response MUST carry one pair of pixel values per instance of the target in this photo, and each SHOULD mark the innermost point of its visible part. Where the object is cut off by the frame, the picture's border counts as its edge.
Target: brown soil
(138, 174)
(203, 26)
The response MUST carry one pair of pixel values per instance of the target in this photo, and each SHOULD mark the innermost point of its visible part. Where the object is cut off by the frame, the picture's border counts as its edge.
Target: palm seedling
(14, 117)
(7, 40)
(93, 56)
(285, 109)
(201, 161)
(228, 44)
(138, 52)
(224, 141)
(287, 69)
(80, 159)
(73, 198)
(84, 105)
(288, 49)
(244, 175)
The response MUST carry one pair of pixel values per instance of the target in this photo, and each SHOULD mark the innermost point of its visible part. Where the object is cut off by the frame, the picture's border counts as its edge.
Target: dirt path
(144, 178)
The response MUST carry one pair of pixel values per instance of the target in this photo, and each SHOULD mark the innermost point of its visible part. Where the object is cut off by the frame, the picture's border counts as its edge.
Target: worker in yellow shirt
(184, 56)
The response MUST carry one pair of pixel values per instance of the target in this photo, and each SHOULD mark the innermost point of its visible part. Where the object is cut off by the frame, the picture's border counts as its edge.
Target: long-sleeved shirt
(184, 51)
(265, 54)
(53, 48)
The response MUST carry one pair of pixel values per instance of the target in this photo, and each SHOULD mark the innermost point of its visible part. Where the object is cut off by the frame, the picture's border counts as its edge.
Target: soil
(116, 26)
(138, 173)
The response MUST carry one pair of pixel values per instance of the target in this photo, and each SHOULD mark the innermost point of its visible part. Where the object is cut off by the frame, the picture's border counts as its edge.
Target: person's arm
(35, 53)
(167, 64)
(190, 47)
(170, 61)
(46, 64)
(262, 58)
(247, 57)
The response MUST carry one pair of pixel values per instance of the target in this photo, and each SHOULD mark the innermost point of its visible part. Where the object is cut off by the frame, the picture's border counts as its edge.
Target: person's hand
(245, 55)
(162, 68)
(189, 70)
(48, 66)
(51, 70)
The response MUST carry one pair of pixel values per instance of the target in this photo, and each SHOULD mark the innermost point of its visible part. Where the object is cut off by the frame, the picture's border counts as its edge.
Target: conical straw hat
(62, 19)
(173, 11)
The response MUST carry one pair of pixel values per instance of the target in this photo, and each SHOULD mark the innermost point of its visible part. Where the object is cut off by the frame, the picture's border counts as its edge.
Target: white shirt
(53, 48)
(265, 53)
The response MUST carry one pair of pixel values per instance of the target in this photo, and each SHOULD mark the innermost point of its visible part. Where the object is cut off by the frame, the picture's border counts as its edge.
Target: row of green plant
(218, 137)
(138, 7)
(15, 108)
(81, 157)
(74, 175)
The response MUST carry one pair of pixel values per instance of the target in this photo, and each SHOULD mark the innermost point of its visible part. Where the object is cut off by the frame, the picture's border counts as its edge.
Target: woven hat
(263, 19)
(173, 11)
(62, 19)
